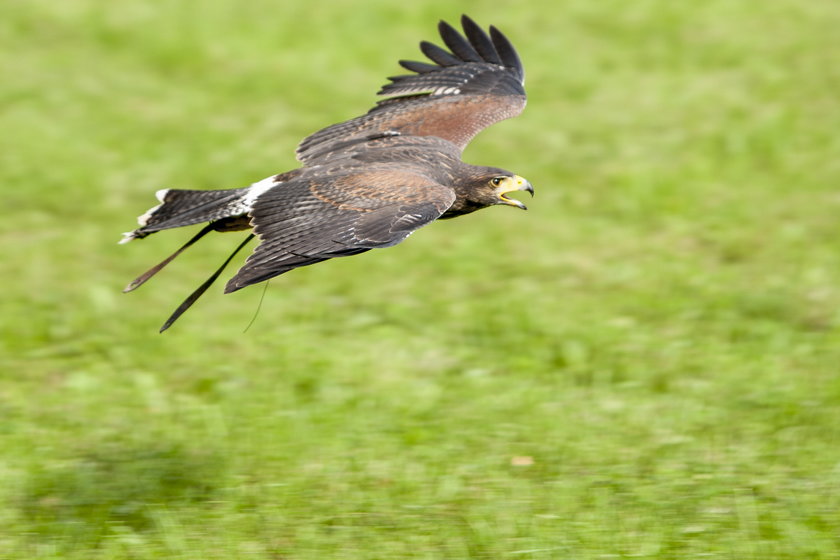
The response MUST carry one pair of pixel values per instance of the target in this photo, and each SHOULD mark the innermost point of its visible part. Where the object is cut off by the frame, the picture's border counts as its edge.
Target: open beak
(511, 185)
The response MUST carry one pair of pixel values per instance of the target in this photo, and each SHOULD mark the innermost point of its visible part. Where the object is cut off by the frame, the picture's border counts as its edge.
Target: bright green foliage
(646, 364)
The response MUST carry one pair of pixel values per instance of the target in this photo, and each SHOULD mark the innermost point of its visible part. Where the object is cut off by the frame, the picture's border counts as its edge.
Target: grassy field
(646, 364)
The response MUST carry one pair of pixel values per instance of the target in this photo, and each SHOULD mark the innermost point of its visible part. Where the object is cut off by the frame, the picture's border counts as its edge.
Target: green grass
(643, 365)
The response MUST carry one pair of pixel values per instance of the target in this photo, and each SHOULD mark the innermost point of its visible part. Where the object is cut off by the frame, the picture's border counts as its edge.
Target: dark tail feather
(140, 280)
(201, 289)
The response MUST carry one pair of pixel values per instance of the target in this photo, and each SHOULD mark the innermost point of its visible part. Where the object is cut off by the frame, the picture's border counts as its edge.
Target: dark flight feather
(459, 46)
(508, 54)
(438, 55)
(481, 41)
(419, 67)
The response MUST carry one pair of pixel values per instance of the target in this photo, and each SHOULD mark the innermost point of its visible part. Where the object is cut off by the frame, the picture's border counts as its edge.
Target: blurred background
(643, 365)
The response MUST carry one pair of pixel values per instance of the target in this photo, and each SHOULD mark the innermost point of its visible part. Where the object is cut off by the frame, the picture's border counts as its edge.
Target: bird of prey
(369, 182)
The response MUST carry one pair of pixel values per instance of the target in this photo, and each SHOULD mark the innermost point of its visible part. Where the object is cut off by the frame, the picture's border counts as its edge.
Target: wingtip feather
(507, 52)
(456, 42)
(480, 41)
(438, 54)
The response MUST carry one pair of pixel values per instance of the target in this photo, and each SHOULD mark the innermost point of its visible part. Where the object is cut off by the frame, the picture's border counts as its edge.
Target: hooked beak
(510, 185)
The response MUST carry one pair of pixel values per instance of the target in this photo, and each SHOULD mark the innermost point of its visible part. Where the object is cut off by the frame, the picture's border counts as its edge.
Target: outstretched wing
(307, 222)
(480, 82)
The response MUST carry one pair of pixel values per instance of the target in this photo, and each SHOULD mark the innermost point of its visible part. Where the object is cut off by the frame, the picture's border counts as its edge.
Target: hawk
(369, 182)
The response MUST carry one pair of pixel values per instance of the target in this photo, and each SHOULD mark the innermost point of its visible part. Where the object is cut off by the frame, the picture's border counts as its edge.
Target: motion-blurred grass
(643, 365)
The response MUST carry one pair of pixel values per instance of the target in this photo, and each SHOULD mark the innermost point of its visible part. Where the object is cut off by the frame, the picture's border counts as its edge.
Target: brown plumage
(371, 181)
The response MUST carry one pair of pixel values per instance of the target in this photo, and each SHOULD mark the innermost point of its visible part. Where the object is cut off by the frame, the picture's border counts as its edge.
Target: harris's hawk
(369, 182)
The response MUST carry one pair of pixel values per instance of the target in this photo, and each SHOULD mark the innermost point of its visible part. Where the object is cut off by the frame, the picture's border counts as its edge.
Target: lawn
(645, 364)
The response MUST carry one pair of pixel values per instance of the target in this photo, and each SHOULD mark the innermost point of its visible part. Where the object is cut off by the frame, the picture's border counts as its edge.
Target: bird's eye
(497, 181)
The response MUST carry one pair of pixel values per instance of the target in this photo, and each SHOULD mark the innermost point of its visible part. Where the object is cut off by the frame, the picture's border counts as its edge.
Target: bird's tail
(225, 210)
(180, 207)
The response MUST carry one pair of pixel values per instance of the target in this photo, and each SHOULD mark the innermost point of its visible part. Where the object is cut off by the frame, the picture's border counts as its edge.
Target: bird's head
(488, 186)
(505, 183)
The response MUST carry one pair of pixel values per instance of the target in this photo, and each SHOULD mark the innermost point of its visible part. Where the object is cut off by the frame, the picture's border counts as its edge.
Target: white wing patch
(257, 189)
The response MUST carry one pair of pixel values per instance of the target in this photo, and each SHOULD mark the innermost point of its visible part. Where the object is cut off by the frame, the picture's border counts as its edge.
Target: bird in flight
(369, 182)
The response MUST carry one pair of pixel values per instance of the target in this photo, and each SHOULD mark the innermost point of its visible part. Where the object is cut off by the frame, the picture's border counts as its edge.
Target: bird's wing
(308, 221)
(478, 82)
